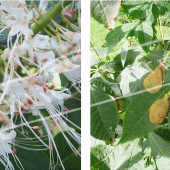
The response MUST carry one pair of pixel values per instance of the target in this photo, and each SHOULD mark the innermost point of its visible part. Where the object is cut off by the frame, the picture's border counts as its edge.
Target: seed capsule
(159, 110)
(155, 79)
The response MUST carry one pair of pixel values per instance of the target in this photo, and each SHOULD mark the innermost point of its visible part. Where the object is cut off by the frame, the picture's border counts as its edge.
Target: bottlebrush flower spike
(33, 63)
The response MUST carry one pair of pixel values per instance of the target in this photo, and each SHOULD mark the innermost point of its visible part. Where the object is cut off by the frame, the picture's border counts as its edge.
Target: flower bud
(63, 49)
(69, 35)
(66, 62)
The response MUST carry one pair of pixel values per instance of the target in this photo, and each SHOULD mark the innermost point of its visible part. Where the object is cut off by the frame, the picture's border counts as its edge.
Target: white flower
(7, 5)
(55, 47)
(42, 8)
(6, 141)
(58, 97)
(73, 74)
(18, 20)
(41, 42)
(43, 57)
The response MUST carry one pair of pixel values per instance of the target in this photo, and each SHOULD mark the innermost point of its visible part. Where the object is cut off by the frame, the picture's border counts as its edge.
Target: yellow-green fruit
(159, 110)
(154, 80)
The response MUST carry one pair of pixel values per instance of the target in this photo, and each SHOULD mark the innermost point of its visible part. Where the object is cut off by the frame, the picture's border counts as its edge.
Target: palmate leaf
(136, 121)
(105, 12)
(160, 151)
(104, 115)
(121, 157)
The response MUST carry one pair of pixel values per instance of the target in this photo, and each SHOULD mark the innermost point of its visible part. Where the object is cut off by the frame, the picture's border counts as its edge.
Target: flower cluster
(31, 62)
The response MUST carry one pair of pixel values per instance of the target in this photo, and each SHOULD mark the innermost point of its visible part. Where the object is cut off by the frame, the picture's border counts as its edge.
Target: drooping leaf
(160, 151)
(104, 115)
(136, 121)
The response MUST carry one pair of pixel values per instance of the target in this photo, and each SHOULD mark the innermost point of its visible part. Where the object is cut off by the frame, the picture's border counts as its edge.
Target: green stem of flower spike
(46, 19)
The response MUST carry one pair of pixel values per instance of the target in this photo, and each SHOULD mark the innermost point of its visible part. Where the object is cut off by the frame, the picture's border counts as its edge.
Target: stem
(48, 33)
(46, 19)
(160, 29)
(69, 23)
(53, 4)
(166, 57)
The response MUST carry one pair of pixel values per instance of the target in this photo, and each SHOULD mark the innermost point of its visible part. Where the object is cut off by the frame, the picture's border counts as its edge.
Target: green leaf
(104, 115)
(157, 56)
(163, 131)
(121, 157)
(70, 161)
(112, 67)
(165, 3)
(100, 157)
(74, 105)
(138, 9)
(169, 121)
(136, 121)
(131, 158)
(144, 34)
(115, 36)
(131, 78)
(160, 151)
(109, 87)
(31, 159)
(155, 11)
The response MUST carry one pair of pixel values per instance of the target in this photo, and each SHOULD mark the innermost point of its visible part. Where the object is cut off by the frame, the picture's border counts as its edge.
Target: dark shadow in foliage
(74, 116)
(70, 161)
(163, 131)
(31, 160)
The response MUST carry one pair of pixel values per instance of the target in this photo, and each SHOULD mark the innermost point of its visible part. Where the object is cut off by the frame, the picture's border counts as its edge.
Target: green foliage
(104, 118)
(138, 45)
